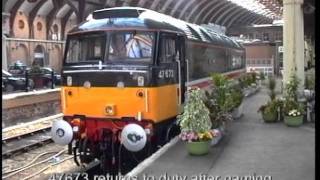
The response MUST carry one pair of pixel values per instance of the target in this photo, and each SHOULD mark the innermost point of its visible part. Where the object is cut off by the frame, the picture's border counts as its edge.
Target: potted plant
(237, 98)
(272, 86)
(195, 124)
(293, 113)
(269, 111)
(220, 104)
(292, 109)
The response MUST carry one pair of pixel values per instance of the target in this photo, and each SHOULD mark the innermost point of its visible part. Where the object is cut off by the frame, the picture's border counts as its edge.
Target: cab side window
(168, 49)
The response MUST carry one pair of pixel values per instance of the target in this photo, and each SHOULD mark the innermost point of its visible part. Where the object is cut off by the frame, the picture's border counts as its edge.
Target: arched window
(39, 58)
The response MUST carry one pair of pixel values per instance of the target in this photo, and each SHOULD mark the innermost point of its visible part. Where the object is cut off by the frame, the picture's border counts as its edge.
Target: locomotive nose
(61, 132)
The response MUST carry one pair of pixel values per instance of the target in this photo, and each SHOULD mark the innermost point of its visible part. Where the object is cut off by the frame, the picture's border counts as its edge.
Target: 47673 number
(167, 73)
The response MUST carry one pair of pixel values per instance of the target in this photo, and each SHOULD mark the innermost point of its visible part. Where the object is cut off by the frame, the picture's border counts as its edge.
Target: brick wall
(29, 106)
(21, 26)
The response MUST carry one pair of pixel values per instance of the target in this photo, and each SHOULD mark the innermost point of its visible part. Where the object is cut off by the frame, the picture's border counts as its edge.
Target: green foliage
(237, 96)
(290, 105)
(291, 88)
(253, 77)
(272, 83)
(272, 86)
(271, 107)
(219, 80)
(247, 80)
(221, 92)
(262, 77)
(291, 98)
(195, 116)
(224, 97)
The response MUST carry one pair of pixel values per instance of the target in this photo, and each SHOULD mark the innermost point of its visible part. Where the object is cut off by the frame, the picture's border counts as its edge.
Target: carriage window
(168, 50)
(236, 62)
(85, 48)
(130, 46)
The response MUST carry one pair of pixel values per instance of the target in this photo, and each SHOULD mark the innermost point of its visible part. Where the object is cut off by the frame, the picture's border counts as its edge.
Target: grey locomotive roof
(135, 17)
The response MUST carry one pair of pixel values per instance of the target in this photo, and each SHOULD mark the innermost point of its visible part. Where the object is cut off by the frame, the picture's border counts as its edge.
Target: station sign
(280, 49)
(38, 55)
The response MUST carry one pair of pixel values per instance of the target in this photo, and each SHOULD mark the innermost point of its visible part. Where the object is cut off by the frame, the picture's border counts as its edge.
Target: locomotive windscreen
(129, 46)
(119, 46)
(84, 48)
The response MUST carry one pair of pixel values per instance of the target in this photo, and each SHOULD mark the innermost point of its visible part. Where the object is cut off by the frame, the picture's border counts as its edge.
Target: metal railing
(37, 77)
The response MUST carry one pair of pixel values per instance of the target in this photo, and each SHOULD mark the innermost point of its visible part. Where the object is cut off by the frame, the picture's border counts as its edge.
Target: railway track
(25, 142)
(23, 137)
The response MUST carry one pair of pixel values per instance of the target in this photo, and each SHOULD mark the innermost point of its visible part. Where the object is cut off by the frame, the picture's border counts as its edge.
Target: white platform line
(147, 162)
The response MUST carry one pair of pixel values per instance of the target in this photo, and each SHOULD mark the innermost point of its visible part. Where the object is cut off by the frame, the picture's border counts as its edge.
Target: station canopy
(226, 13)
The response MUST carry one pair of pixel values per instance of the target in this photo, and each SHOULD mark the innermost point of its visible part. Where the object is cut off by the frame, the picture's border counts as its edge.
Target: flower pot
(237, 112)
(270, 117)
(198, 148)
(293, 120)
(215, 140)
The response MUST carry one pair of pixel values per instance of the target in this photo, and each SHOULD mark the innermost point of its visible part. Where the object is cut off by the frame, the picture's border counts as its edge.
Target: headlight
(110, 110)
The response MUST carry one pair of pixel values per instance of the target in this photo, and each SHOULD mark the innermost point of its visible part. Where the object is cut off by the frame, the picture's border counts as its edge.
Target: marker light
(120, 84)
(140, 81)
(87, 84)
(69, 80)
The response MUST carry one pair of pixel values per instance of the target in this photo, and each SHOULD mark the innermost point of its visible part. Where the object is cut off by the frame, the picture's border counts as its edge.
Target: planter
(270, 117)
(246, 92)
(198, 148)
(216, 140)
(293, 121)
(237, 112)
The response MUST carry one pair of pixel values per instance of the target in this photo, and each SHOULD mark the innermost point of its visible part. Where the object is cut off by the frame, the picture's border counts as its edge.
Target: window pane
(132, 47)
(168, 50)
(85, 48)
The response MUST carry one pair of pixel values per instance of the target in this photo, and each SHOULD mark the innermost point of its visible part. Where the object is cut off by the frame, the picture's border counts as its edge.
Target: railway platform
(252, 150)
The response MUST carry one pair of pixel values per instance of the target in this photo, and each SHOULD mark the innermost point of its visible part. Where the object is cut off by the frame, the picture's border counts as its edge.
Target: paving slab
(252, 150)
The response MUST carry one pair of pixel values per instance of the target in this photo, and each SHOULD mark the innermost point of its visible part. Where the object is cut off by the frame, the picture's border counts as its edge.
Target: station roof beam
(187, 6)
(210, 8)
(225, 14)
(228, 21)
(199, 9)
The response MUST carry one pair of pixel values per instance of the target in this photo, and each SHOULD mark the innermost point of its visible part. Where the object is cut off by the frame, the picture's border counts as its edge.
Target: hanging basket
(198, 148)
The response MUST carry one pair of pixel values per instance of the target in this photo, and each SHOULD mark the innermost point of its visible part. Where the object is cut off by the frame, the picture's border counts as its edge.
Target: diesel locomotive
(124, 77)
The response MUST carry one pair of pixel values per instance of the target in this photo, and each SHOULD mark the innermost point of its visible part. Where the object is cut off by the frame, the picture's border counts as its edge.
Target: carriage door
(180, 59)
(171, 62)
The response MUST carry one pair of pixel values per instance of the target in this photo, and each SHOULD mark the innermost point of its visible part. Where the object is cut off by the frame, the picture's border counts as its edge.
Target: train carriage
(127, 65)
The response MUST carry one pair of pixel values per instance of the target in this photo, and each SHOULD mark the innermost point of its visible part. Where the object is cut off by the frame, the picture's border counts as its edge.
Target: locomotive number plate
(167, 73)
